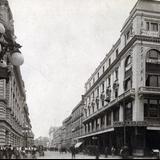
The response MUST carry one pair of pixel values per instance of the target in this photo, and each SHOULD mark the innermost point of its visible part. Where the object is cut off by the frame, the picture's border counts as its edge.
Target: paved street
(57, 155)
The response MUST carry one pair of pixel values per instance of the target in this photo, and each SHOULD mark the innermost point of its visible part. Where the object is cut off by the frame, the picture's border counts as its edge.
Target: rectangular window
(128, 35)
(98, 75)
(109, 119)
(147, 26)
(109, 81)
(116, 74)
(117, 52)
(109, 62)
(116, 93)
(103, 69)
(93, 80)
(151, 108)
(154, 27)
(103, 87)
(116, 115)
(98, 91)
(153, 81)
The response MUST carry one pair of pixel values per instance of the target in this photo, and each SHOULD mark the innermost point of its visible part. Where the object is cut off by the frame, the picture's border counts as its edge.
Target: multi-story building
(123, 95)
(67, 132)
(77, 122)
(57, 138)
(42, 141)
(52, 130)
(12, 90)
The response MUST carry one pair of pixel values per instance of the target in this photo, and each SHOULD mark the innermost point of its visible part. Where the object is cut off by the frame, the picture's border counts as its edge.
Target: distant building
(67, 132)
(52, 131)
(58, 138)
(42, 141)
(77, 122)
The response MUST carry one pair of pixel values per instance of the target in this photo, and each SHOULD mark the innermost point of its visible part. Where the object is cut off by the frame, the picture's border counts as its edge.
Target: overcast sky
(63, 42)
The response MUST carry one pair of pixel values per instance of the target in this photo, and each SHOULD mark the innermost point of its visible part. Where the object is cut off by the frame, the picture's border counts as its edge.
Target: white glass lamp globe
(2, 28)
(3, 64)
(17, 59)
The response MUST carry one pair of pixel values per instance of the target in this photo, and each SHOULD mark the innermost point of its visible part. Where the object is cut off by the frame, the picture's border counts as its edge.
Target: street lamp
(10, 47)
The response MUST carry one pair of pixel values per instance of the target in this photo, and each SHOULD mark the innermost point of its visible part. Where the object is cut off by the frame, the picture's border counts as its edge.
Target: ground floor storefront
(140, 140)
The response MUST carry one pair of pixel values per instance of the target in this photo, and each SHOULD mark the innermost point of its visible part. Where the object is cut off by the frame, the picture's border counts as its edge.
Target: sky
(63, 43)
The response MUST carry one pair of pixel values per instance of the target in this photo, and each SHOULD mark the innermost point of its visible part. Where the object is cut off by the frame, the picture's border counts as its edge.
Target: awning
(78, 144)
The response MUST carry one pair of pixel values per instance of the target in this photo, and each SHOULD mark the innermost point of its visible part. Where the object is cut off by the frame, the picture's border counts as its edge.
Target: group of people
(9, 152)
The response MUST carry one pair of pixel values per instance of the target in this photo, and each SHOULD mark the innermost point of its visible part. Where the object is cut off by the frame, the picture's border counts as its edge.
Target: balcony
(130, 124)
(149, 90)
(150, 33)
(128, 94)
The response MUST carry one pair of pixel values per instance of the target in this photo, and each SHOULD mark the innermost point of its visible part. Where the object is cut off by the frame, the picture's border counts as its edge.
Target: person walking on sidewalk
(73, 152)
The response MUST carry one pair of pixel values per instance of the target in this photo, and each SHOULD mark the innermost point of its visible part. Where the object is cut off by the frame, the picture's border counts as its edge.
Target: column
(105, 123)
(112, 118)
(121, 113)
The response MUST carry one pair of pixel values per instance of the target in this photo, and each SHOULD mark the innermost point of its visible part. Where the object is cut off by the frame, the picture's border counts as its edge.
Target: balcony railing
(149, 90)
(129, 93)
(150, 33)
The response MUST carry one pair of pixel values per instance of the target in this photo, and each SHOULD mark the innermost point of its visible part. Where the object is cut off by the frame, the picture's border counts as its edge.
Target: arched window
(154, 54)
(153, 68)
(128, 61)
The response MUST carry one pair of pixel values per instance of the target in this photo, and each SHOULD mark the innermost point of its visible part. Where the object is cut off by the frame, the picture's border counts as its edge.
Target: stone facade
(14, 115)
(77, 122)
(122, 97)
(121, 93)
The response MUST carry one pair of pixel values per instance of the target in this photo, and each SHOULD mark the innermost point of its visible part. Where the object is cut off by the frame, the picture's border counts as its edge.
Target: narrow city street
(57, 155)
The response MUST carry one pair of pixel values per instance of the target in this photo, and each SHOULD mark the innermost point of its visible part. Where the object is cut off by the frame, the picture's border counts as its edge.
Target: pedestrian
(97, 152)
(106, 152)
(113, 151)
(23, 153)
(33, 152)
(124, 152)
(1, 152)
(73, 152)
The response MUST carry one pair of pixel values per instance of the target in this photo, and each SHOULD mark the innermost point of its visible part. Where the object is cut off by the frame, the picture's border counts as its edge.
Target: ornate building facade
(122, 98)
(123, 95)
(14, 116)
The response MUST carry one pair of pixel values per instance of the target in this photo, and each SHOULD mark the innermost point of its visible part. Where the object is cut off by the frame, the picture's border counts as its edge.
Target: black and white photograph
(79, 79)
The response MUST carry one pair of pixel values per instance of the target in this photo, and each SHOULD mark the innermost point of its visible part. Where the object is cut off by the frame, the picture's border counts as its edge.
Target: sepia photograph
(79, 79)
